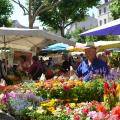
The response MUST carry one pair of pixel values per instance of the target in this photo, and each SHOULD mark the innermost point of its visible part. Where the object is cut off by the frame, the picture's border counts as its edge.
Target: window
(99, 12)
(106, 1)
(105, 10)
(100, 22)
(105, 21)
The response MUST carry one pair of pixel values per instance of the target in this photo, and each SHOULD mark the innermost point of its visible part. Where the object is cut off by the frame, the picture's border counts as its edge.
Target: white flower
(30, 107)
(40, 110)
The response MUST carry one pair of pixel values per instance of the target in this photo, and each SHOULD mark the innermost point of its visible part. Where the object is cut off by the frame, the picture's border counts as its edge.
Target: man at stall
(36, 69)
(92, 65)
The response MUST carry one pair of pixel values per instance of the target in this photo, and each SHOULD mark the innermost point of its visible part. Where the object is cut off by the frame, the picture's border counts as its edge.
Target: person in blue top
(92, 65)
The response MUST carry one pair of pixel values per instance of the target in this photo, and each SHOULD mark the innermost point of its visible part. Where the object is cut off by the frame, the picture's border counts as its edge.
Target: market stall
(100, 45)
(111, 28)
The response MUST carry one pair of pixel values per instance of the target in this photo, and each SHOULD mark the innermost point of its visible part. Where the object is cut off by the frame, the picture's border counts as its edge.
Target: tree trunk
(62, 31)
(30, 15)
(30, 22)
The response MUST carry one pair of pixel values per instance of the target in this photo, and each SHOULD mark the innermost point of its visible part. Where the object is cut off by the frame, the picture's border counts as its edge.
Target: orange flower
(67, 100)
(101, 108)
(2, 88)
(75, 99)
(10, 88)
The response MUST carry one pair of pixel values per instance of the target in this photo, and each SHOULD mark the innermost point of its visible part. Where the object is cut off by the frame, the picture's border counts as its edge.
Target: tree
(115, 9)
(76, 35)
(33, 8)
(66, 13)
(5, 12)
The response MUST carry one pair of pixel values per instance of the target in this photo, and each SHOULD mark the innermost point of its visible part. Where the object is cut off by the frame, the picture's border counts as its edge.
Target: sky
(23, 20)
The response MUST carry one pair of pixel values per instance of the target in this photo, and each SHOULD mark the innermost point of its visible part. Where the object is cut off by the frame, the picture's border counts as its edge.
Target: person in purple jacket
(92, 65)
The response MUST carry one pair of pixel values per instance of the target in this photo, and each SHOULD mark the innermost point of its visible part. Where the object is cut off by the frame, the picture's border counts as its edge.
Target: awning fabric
(28, 38)
(111, 28)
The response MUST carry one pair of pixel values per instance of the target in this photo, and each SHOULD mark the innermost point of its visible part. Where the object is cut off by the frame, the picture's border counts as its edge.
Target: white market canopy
(111, 28)
(100, 45)
(28, 38)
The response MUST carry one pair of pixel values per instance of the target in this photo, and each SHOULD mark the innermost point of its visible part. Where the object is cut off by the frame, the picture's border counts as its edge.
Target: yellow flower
(72, 105)
(37, 84)
(50, 109)
(118, 104)
(49, 103)
(78, 83)
(118, 90)
(55, 113)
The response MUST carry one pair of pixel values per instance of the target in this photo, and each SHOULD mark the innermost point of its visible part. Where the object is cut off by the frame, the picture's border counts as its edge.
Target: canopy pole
(5, 55)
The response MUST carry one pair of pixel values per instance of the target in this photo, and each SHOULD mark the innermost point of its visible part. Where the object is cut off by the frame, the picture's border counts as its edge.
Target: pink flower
(76, 117)
(68, 111)
(92, 114)
(100, 116)
(114, 117)
(116, 111)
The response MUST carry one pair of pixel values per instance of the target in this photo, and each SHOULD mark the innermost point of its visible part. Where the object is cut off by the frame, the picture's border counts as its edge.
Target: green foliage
(3, 107)
(115, 9)
(114, 59)
(90, 38)
(66, 13)
(85, 92)
(5, 12)
(76, 35)
(31, 114)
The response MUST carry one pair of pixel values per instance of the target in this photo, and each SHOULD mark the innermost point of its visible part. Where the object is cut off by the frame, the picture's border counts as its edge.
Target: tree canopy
(33, 8)
(115, 9)
(6, 10)
(66, 13)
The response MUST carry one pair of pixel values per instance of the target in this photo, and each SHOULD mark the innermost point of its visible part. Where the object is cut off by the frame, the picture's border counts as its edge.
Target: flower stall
(61, 99)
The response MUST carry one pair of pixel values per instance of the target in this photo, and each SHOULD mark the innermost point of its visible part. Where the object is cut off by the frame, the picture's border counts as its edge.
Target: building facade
(104, 13)
(16, 24)
(89, 23)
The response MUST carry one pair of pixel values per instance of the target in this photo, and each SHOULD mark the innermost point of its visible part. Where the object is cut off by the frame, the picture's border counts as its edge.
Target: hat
(89, 45)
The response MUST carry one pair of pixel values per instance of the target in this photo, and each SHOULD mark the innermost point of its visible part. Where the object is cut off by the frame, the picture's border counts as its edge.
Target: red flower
(114, 86)
(66, 87)
(85, 111)
(106, 88)
(113, 92)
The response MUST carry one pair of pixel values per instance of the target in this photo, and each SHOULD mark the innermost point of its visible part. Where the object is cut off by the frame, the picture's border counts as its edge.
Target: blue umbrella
(59, 45)
(56, 47)
(111, 28)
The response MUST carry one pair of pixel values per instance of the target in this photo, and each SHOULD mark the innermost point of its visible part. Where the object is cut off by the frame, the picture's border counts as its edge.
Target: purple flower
(5, 98)
(30, 95)
(13, 94)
